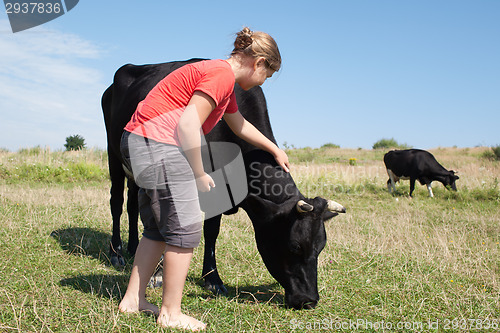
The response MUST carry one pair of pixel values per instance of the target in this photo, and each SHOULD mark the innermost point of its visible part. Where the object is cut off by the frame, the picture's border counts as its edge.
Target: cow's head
(450, 180)
(290, 236)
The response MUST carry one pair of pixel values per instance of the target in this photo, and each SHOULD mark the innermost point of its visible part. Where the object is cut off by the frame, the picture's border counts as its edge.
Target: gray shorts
(168, 198)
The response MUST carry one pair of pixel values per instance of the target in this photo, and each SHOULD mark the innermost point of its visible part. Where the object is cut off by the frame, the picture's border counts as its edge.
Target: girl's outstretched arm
(248, 132)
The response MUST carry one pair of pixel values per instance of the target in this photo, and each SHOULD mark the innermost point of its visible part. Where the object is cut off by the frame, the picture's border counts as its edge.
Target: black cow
(416, 164)
(289, 228)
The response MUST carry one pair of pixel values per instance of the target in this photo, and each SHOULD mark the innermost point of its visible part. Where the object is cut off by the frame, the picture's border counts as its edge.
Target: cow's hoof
(116, 255)
(117, 261)
(216, 289)
(156, 281)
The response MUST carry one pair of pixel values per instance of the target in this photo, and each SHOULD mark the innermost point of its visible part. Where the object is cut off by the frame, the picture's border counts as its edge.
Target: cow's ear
(328, 215)
(304, 207)
(262, 208)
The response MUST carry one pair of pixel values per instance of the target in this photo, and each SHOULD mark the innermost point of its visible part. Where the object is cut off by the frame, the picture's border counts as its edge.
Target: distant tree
(389, 143)
(74, 142)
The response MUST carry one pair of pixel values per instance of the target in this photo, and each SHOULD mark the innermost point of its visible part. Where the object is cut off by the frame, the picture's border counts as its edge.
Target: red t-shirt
(157, 116)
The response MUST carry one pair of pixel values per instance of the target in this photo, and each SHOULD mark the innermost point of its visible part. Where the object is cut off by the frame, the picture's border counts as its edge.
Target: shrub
(496, 151)
(330, 145)
(491, 154)
(389, 143)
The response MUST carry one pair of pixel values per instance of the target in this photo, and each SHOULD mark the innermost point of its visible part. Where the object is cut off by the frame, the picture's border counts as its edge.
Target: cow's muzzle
(301, 302)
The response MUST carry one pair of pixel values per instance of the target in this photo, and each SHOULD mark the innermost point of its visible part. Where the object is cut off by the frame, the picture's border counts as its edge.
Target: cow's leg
(133, 216)
(429, 188)
(213, 281)
(391, 186)
(391, 181)
(117, 176)
(412, 185)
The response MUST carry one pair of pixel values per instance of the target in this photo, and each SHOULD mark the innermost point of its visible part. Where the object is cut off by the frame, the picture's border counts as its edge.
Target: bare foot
(182, 321)
(131, 306)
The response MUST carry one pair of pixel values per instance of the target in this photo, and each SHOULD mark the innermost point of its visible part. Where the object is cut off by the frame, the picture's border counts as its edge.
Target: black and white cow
(289, 228)
(416, 164)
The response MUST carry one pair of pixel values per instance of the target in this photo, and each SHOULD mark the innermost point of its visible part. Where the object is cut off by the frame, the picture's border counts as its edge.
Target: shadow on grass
(103, 285)
(95, 244)
(400, 193)
(114, 286)
(254, 294)
(87, 242)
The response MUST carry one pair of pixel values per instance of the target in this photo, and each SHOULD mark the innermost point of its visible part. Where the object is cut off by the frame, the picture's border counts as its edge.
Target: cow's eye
(295, 248)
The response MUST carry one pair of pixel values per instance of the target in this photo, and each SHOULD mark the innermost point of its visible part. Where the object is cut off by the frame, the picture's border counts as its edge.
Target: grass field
(390, 264)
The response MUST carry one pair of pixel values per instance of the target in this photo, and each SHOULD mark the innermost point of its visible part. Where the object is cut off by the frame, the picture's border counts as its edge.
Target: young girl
(162, 144)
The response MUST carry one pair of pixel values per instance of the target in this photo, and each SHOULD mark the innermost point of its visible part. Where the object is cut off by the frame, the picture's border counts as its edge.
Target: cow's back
(409, 162)
(399, 161)
(131, 84)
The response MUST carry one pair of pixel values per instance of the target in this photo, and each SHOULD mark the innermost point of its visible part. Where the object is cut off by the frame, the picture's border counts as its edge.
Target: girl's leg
(146, 258)
(176, 262)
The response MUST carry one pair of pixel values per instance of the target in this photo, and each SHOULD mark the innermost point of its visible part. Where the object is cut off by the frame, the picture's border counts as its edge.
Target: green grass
(43, 166)
(390, 259)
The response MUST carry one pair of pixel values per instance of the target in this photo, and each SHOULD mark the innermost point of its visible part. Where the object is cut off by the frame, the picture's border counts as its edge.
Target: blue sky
(426, 72)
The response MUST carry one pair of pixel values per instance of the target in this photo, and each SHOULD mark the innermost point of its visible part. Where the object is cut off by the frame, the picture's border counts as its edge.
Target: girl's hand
(282, 159)
(204, 183)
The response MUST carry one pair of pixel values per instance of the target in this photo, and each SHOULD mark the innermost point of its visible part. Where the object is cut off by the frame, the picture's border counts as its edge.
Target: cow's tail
(106, 99)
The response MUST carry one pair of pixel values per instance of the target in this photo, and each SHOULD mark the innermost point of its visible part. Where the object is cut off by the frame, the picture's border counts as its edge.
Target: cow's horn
(304, 207)
(335, 207)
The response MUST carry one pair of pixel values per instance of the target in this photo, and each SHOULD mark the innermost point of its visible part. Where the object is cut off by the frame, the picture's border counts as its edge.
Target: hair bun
(243, 39)
(256, 44)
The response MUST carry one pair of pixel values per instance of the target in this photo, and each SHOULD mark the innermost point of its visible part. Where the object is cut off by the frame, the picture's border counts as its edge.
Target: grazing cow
(288, 227)
(416, 164)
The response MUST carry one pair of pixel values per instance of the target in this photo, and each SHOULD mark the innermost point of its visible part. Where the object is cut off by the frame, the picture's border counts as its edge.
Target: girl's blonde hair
(258, 44)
